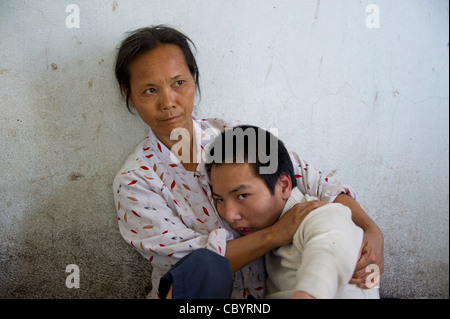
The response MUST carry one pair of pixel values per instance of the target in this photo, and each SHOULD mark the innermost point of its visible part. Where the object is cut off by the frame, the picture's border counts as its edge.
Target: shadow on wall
(62, 232)
(71, 146)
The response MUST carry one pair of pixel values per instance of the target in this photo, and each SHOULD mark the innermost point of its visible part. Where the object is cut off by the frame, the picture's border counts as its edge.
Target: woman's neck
(183, 148)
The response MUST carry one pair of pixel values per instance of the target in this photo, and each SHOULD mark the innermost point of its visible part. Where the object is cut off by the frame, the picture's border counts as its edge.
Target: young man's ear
(286, 185)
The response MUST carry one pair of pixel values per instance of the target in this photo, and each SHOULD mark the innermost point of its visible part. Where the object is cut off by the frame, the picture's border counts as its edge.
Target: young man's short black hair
(253, 145)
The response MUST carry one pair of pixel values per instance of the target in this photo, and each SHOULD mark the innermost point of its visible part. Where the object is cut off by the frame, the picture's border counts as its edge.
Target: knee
(202, 274)
(210, 262)
(205, 254)
(216, 276)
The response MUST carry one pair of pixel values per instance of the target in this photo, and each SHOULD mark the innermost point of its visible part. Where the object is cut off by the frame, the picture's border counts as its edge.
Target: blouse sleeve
(313, 182)
(150, 223)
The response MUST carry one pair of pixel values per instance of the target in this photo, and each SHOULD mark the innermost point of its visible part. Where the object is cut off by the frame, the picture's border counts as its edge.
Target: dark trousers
(203, 274)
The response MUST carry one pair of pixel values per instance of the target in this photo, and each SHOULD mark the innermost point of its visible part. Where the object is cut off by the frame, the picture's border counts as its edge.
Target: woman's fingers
(285, 228)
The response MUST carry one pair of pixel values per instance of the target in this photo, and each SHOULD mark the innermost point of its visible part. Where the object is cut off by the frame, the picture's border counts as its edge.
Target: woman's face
(162, 90)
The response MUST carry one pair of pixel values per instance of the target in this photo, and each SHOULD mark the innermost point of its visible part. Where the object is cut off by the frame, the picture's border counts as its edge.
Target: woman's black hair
(146, 39)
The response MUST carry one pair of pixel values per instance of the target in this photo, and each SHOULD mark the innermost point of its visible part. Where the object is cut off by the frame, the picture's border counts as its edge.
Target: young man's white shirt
(322, 257)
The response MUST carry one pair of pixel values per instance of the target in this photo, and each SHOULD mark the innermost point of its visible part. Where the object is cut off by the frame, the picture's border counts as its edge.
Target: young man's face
(243, 198)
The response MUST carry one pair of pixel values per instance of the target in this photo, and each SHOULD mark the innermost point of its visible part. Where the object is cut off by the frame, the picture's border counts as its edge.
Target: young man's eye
(242, 196)
(218, 200)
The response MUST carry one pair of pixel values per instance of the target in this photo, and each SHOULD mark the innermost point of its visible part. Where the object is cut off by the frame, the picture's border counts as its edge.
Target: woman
(164, 202)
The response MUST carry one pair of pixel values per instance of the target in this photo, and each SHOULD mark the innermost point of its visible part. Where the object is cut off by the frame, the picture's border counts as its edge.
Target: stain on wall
(368, 105)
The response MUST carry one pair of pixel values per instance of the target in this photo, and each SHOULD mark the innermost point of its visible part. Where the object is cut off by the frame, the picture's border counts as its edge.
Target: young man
(253, 185)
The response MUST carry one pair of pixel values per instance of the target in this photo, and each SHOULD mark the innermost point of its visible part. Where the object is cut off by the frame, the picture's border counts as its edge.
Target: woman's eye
(150, 91)
(218, 200)
(178, 83)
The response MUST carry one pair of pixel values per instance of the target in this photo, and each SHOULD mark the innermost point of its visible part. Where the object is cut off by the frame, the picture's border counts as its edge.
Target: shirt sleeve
(149, 221)
(330, 244)
(313, 182)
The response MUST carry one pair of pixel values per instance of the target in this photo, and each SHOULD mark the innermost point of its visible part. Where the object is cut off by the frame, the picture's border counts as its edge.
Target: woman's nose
(167, 99)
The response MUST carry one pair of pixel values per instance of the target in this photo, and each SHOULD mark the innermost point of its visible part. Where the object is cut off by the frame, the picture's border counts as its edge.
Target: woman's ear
(286, 185)
(124, 89)
(125, 92)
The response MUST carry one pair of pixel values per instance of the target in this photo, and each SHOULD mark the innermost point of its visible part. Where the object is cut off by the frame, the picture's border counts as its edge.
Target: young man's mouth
(245, 230)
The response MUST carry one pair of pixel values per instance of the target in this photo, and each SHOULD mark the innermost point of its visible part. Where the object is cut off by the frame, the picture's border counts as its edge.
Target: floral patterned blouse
(166, 212)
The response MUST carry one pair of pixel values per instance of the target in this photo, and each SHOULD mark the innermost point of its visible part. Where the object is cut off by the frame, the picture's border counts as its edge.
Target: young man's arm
(329, 243)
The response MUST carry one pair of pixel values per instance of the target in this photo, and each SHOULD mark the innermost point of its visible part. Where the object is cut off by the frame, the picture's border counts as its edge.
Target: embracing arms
(329, 189)
(372, 246)
(244, 250)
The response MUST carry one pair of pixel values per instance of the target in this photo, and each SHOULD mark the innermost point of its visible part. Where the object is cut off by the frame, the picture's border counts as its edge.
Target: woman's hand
(243, 250)
(285, 228)
(371, 254)
(371, 261)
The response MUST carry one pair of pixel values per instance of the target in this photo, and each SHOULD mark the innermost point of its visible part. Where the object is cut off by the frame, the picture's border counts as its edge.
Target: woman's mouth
(171, 119)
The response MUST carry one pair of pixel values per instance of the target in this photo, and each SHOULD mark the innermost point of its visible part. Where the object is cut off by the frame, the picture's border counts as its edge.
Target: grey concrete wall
(369, 105)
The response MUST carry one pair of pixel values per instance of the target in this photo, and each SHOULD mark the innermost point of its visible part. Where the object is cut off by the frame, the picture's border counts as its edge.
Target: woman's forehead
(166, 61)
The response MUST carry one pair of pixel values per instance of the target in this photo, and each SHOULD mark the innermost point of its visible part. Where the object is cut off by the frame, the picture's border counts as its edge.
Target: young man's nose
(232, 214)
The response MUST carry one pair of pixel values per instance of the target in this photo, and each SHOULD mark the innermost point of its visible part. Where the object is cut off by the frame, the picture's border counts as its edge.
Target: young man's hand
(302, 295)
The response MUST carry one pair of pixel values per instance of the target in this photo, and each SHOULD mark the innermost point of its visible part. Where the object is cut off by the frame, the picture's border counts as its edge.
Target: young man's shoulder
(219, 123)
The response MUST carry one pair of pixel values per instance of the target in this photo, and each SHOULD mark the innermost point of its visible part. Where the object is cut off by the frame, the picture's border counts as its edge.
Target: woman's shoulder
(134, 160)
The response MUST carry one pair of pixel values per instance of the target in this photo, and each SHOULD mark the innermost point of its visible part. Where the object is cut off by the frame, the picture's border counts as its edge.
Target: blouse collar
(167, 156)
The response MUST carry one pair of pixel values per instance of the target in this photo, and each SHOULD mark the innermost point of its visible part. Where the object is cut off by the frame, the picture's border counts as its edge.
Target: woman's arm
(373, 242)
(153, 228)
(244, 250)
(327, 188)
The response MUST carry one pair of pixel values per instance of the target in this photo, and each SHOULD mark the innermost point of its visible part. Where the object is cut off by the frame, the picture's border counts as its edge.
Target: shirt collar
(295, 198)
